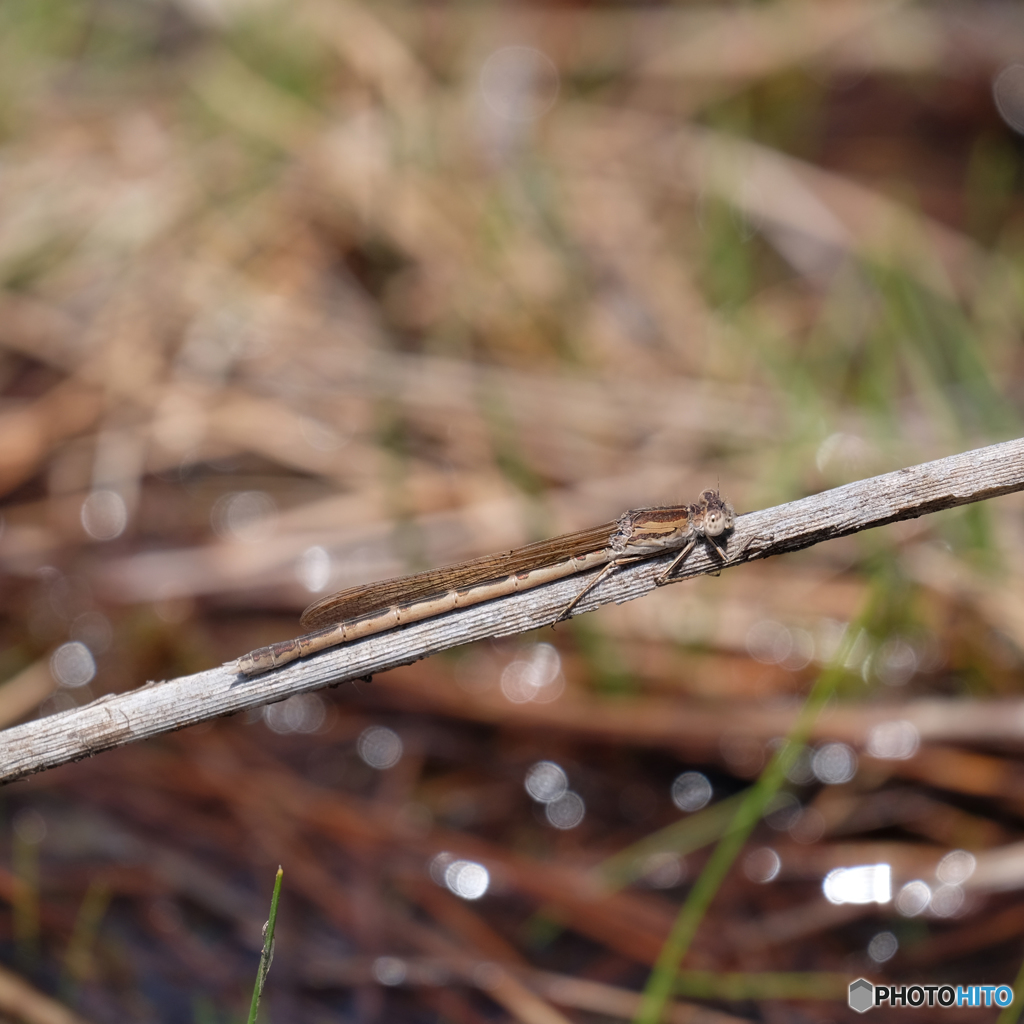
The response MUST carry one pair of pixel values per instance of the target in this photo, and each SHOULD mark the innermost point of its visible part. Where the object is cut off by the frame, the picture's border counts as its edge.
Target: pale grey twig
(164, 706)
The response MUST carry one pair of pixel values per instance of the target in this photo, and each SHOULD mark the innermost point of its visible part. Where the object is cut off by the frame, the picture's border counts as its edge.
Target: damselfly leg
(664, 577)
(606, 571)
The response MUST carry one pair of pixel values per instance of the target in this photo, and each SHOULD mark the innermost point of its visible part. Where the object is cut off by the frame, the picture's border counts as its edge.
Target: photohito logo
(863, 995)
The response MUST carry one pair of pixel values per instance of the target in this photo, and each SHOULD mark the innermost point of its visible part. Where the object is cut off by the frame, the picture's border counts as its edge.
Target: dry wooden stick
(177, 703)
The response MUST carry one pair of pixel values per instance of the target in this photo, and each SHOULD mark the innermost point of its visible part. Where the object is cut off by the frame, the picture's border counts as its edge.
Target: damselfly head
(718, 515)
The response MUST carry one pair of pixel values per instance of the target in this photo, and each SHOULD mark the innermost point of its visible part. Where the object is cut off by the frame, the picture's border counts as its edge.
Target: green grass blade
(267, 956)
(662, 981)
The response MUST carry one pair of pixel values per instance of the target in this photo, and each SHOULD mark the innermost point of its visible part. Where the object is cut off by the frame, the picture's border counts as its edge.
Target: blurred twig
(24, 1002)
(161, 707)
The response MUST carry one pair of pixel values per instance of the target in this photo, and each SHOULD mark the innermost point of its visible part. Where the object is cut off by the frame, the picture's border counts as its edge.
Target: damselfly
(637, 535)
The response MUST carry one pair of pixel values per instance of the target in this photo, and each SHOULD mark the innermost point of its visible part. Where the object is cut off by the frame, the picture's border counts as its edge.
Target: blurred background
(300, 296)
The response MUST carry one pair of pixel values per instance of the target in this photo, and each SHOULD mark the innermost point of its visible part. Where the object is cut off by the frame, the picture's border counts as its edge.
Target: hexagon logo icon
(862, 995)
